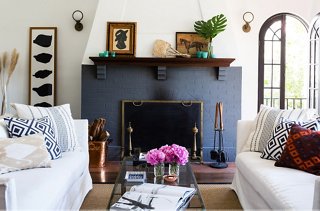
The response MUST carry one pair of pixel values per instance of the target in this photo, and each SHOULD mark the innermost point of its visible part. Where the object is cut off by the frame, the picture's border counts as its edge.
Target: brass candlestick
(130, 130)
(195, 131)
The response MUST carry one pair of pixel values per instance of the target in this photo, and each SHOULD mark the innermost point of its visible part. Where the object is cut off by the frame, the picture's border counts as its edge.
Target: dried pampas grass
(7, 67)
(163, 49)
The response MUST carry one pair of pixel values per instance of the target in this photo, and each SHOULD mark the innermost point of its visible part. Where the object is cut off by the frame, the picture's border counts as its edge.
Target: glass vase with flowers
(156, 158)
(175, 155)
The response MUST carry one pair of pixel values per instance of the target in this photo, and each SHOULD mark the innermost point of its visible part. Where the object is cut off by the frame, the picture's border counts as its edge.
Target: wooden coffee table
(186, 179)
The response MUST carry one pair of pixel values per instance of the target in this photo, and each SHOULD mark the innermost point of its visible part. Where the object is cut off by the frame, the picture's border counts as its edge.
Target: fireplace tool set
(218, 154)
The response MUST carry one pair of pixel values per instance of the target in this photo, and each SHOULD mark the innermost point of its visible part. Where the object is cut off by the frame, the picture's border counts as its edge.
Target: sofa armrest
(316, 195)
(244, 127)
(8, 198)
(81, 128)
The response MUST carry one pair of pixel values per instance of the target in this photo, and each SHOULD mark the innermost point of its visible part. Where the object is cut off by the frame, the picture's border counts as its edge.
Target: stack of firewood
(97, 132)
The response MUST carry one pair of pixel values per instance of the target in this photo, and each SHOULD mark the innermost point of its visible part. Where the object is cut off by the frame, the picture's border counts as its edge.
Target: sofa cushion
(302, 150)
(61, 119)
(281, 188)
(45, 188)
(276, 143)
(3, 129)
(23, 153)
(24, 127)
(267, 119)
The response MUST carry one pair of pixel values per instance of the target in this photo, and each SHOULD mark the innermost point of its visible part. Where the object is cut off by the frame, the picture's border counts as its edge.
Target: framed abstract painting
(121, 38)
(43, 66)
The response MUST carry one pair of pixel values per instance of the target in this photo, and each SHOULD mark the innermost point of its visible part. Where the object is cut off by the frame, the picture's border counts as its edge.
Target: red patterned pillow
(302, 150)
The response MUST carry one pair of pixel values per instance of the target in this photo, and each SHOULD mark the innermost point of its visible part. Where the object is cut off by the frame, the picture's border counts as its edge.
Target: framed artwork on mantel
(190, 43)
(121, 38)
(42, 66)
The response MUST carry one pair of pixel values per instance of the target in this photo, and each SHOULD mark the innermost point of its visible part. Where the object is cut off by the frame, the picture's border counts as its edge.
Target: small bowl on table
(170, 178)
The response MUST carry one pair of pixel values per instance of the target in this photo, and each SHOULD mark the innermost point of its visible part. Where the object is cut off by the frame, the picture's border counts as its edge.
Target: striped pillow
(62, 122)
(267, 119)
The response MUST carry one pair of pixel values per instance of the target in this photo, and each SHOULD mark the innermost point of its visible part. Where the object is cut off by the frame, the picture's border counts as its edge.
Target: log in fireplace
(148, 124)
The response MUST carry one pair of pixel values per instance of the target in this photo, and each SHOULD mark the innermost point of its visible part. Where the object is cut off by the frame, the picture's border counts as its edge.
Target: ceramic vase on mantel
(158, 170)
(174, 169)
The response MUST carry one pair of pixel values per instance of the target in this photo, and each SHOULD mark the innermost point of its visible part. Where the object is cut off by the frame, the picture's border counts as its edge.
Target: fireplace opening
(149, 124)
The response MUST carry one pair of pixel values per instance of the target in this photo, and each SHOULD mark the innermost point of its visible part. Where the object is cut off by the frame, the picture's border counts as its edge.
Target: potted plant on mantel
(210, 29)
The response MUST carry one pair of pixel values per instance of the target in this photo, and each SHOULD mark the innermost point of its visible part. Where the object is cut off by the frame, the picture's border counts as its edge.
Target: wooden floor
(203, 172)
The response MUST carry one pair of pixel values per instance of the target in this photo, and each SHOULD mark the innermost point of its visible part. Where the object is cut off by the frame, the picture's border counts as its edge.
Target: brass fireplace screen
(149, 124)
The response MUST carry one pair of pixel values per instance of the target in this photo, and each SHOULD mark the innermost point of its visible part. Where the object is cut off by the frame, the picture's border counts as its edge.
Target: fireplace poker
(219, 155)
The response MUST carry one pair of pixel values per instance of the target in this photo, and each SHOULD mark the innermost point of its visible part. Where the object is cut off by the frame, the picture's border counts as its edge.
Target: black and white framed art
(42, 65)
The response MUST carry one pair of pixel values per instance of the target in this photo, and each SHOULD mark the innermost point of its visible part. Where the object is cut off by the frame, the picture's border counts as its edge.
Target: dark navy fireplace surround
(102, 98)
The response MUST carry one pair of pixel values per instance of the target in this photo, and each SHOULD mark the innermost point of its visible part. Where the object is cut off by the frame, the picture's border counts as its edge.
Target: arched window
(283, 77)
(314, 68)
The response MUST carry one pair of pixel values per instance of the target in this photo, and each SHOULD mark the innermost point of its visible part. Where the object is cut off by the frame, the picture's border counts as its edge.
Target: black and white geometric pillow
(277, 142)
(24, 127)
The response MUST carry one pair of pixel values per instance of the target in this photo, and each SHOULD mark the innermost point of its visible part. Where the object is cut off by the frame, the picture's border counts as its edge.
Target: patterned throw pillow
(302, 150)
(23, 153)
(267, 119)
(24, 127)
(61, 119)
(276, 143)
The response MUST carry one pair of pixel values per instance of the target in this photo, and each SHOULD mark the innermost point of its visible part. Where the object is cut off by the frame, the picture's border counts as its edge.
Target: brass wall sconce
(248, 18)
(77, 17)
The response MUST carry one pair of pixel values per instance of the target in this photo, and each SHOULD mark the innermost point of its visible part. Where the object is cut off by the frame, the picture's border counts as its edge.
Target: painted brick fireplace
(102, 98)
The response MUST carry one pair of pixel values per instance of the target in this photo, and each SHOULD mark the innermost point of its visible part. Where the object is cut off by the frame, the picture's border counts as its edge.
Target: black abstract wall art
(42, 65)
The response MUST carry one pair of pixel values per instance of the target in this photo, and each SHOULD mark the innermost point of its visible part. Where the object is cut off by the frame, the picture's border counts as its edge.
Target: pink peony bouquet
(175, 154)
(155, 157)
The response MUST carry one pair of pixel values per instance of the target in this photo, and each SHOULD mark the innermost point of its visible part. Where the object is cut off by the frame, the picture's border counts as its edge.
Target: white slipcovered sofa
(261, 185)
(63, 186)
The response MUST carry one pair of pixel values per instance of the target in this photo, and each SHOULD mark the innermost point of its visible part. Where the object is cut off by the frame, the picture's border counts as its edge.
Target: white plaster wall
(16, 16)
(160, 19)
(157, 19)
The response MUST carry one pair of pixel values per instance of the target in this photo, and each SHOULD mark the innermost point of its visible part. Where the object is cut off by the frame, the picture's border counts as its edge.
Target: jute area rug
(215, 196)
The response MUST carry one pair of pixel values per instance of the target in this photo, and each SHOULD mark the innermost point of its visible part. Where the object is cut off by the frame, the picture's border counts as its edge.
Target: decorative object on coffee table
(175, 155)
(156, 158)
(220, 156)
(98, 143)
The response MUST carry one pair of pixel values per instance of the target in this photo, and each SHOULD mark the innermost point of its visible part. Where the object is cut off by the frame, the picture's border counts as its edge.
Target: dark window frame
(261, 64)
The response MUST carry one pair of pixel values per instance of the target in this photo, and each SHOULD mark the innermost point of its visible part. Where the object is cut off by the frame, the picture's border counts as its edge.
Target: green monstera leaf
(211, 28)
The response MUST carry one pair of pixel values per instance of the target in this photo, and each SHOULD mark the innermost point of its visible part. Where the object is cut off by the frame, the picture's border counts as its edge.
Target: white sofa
(261, 185)
(61, 187)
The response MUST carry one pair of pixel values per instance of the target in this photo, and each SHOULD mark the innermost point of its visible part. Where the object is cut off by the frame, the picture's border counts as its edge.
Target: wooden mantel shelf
(161, 64)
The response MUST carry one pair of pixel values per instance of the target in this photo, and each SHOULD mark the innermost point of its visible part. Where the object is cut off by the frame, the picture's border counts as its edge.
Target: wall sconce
(78, 16)
(248, 18)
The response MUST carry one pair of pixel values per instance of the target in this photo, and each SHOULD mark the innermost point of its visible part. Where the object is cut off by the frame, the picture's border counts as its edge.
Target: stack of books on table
(149, 196)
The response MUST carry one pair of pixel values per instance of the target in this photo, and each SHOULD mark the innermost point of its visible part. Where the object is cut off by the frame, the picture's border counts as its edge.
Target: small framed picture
(42, 65)
(190, 43)
(121, 38)
(136, 176)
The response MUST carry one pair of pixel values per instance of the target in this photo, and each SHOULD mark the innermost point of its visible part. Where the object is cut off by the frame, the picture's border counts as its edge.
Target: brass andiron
(195, 131)
(130, 130)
